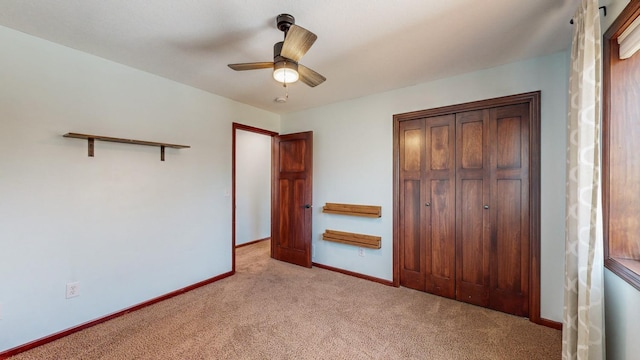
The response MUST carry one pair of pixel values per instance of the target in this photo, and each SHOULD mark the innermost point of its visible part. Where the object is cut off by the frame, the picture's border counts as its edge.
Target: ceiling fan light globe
(286, 72)
(286, 75)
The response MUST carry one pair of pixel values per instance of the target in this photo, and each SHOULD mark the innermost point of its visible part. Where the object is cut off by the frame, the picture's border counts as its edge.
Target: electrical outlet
(73, 289)
(361, 251)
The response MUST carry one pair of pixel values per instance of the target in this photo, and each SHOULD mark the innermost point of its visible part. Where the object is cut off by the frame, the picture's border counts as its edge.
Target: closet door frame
(533, 101)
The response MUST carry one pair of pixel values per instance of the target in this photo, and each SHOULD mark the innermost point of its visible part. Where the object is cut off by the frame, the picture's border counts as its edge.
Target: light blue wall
(125, 225)
(622, 318)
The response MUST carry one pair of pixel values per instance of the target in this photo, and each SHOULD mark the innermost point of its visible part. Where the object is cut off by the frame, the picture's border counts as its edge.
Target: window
(621, 159)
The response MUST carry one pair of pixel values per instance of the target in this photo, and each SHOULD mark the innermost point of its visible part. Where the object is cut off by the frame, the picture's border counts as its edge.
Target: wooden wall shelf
(354, 210)
(91, 138)
(367, 241)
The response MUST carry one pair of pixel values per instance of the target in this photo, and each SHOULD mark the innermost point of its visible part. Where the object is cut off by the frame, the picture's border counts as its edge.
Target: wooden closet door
(473, 226)
(439, 205)
(411, 227)
(427, 203)
(467, 214)
(509, 176)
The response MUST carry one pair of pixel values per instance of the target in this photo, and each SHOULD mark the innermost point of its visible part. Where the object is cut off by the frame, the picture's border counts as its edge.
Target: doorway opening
(251, 187)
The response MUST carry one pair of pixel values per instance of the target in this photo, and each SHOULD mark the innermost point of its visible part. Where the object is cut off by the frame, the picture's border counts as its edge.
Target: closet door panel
(510, 270)
(509, 236)
(440, 147)
(509, 148)
(510, 250)
(412, 148)
(440, 205)
(411, 229)
(472, 189)
(412, 246)
(471, 219)
(442, 235)
(471, 130)
(474, 247)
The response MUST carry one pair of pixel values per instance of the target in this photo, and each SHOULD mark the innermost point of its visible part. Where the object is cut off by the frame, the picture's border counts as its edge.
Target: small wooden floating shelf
(367, 241)
(354, 210)
(91, 138)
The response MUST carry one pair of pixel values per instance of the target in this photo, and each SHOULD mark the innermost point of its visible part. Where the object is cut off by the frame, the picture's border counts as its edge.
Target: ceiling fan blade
(309, 76)
(297, 42)
(251, 66)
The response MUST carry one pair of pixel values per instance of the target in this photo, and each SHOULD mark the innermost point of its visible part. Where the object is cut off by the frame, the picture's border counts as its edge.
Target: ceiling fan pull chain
(284, 83)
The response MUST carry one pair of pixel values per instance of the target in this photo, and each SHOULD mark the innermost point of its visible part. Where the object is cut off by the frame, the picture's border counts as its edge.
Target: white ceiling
(363, 46)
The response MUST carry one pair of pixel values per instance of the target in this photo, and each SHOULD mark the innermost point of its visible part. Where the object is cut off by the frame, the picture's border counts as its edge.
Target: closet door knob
(486, 206)
(427, 204)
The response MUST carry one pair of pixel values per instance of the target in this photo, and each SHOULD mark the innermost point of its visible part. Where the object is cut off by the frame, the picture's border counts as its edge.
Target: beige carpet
(274, 310)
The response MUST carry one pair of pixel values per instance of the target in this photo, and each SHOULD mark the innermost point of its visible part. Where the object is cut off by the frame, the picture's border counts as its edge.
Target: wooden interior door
(473, 226)
(292, 198)
(509, 175)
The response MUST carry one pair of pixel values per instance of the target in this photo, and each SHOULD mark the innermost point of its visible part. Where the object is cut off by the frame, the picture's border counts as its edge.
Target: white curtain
(583, 322)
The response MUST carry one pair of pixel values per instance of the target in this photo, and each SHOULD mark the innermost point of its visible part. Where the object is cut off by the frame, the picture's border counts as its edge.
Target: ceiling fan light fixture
(286, 72)
(287, 54)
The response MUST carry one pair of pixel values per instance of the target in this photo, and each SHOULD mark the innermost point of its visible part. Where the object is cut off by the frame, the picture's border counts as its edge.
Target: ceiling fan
(287, 53)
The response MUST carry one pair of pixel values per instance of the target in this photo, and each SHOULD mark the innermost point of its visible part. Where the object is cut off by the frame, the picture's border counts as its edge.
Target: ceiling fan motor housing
(284, 22)
(277, 50)
(285, 63)
(277, 58)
